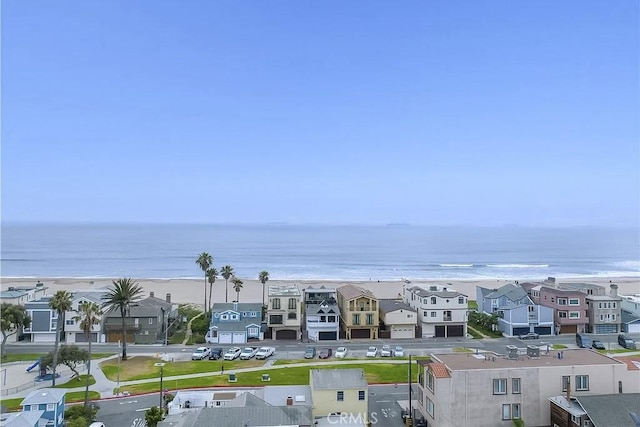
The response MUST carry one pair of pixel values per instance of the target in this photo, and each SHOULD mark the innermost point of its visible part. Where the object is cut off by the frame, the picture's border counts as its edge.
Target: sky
(333, 112)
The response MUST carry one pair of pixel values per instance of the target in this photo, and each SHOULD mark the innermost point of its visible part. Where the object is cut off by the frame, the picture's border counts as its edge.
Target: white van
(97, 424)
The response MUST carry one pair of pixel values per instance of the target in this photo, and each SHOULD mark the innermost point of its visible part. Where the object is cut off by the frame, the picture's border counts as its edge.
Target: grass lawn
(375, 373)
(177, 338)
(77, 382)
(558, 346)
(32, 357)
(479, 328)
(141, 367)
(76, 396)
(475, 334)
(12, 404)
(617, 351)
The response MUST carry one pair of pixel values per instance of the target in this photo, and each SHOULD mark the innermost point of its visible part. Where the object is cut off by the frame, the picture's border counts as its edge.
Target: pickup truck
(265, 352)
(248, 352)
(232, 353)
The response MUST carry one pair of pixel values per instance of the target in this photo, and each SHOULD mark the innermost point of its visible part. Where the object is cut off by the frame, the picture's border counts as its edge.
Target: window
(292, 303)
(146, 332)
(244, 314)
(599, 305)
(433, 314)
(562, 301)
(446, 315)
(613, 317)
(151, 321)
(562, 314)
(582, 382)
(70, 322)
(275, 303)
(361, 395)
(356, 319)
(253, 331)
(601, 317)
(430, 380)
(224, 317)
(51, 407)
(340, 396)
(515, 386)
(614, 305)
(500, 386)
(460, 300)
(234, 317)
(275, 319)
(515, 411)
(292, 315)
(332, 318)
(574, 301)
(431, 408)
(369, 319)
(254, 314)
(433, 300)
(425, 313)
(574, 314)
(506, 411)
(565, 383)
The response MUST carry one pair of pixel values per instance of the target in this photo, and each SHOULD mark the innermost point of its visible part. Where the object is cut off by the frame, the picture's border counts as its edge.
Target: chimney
(168, 297)
(569, 390)
(235, 305)
(614, 291)
(152, 294)
(289, 400)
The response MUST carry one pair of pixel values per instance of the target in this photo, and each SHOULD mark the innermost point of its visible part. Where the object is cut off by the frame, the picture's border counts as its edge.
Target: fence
(6, 391)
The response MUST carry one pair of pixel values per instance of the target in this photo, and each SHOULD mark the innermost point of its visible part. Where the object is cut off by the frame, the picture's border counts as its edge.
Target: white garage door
(239, 337)
(633, 328)
(401, 332)
(225, 338)
(43, 337)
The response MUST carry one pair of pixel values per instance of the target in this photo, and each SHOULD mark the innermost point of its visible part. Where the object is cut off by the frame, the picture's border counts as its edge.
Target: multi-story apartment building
(358, 312)
(397, 319)
(442, 311)
(518, 315)
(284, 312)
(235, 323)
(604, 312)
(487, 390)
(630, 305)
(570, 307)
(322, 314)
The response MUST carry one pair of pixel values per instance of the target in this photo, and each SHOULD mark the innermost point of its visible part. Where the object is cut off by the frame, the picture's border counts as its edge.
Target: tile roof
(389, 305)
(332, 379)
(611, 409)
(349, 292)
(633, 362)
(440, 370)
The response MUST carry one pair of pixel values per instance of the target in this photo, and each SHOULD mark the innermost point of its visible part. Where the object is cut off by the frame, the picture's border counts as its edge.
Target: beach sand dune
(192, 290)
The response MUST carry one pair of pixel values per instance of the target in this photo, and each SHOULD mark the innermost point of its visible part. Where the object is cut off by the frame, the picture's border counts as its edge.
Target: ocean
(300, 252)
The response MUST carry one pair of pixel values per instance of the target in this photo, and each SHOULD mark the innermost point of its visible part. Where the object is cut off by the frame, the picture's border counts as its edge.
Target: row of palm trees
(205, 262)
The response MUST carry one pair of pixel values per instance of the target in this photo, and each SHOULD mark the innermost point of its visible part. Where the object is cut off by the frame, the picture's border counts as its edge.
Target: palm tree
(237, 285)
(212, 275)
(204, 261)
(89, 315)
(121, 297)
(61, 303)
(263, 277)
(226, 272)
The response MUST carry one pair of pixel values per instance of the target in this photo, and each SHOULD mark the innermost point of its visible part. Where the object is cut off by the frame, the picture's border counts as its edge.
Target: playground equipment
(30, 368)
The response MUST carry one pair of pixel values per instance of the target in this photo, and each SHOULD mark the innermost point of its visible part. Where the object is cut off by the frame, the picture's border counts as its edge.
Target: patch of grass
(475, 334)
(177, 338)
(141, 367)
(80, 381)
(78, 396)
(617, 351)
(558, 346)
(299, 375)
(462, 350)
(32, 357)
(12, 404)
(487, 332)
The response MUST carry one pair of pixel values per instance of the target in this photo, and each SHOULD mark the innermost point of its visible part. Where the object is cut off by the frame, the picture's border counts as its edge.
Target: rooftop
(335, 379)
(242, 416)
(510, 291)
(389, 305)
(579, 286)
(468, 361)
(241, 306)
(350, 292)
(571, 406)
(287, 290)
(43, 395)
(20, 419)
(611, 409)
(435, 290)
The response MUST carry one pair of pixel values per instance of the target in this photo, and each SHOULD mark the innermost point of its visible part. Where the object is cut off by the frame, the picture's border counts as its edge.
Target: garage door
(225, 338)
(440, 331)
(542, 330)
(287, 335)
(520, 331)
(361, 333)
(397, 333)
(115, 336)
(239, 337)
(568, 329)
(455, 330)
(327, 336)
(43, 337)
(81, 337)
(633, 328)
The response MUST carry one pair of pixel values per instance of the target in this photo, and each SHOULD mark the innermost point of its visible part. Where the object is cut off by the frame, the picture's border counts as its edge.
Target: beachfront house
(235, 323)
(72, 331)
(321, 313)
(284, 312)
(340, 391)
(517, 313)
(49, 403)
(397, 319)
(44, 321)
(145, 323)
(442, 311)
(490, 390)
(630, 313)
(20, 295)
(359, 316)
(604, 312)
(569, 305)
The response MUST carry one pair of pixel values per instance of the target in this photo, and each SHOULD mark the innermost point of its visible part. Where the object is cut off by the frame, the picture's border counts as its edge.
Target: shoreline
(191, 290)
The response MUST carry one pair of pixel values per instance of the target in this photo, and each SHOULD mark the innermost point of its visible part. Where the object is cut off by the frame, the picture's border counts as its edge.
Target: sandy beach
(191, 290)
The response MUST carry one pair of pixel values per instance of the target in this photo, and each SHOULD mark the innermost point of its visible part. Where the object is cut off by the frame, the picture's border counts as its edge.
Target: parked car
(341, 352)
(310, 353)
(233, 353)
(626, 341)
(385, 351)
(372, 352)
(598, 345)
(399, 351)
(325, 353)
(583, 340)
(265, 352)
(529, 336)
(248, 352)
(200, 353)
(216, 353)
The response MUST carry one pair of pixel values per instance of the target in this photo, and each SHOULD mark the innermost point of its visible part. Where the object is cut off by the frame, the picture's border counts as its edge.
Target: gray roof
(611, 409)
(627, 317)
(277, 395)
(236, 326)
(21, 419)
(511, 291)
(142, 308)
(389, 305)
(316, 308)
(580, 286)
(242, 306)
(42, 302)
(44, 395)
(249, 416)
(423, 292)
(337, 379)
(245, 400)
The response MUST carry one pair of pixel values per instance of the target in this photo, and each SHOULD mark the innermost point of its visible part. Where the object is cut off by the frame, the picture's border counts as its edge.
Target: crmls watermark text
(348, 418)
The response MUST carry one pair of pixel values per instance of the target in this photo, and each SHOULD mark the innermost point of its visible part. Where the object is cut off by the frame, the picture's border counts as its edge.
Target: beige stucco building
(284, 312)
(487, 390)
(339, 391)
(358, 312)
(398, 319)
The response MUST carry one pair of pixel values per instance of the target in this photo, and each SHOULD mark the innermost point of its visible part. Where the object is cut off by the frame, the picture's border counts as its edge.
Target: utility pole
(410, 394)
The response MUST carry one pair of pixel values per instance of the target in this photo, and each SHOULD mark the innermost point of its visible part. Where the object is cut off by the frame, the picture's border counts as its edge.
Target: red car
(325, 353)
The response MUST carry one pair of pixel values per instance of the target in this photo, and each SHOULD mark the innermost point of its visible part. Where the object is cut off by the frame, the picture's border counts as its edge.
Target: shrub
(88, 414)
(200, 325)
(77, 422)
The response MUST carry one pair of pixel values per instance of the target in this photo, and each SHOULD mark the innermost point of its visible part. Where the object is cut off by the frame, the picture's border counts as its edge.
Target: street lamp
(161, 365)
(118, 375)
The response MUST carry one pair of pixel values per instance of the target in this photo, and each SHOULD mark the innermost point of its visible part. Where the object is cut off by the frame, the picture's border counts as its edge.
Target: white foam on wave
(456, 265)
(631, 265)
(518, 265)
